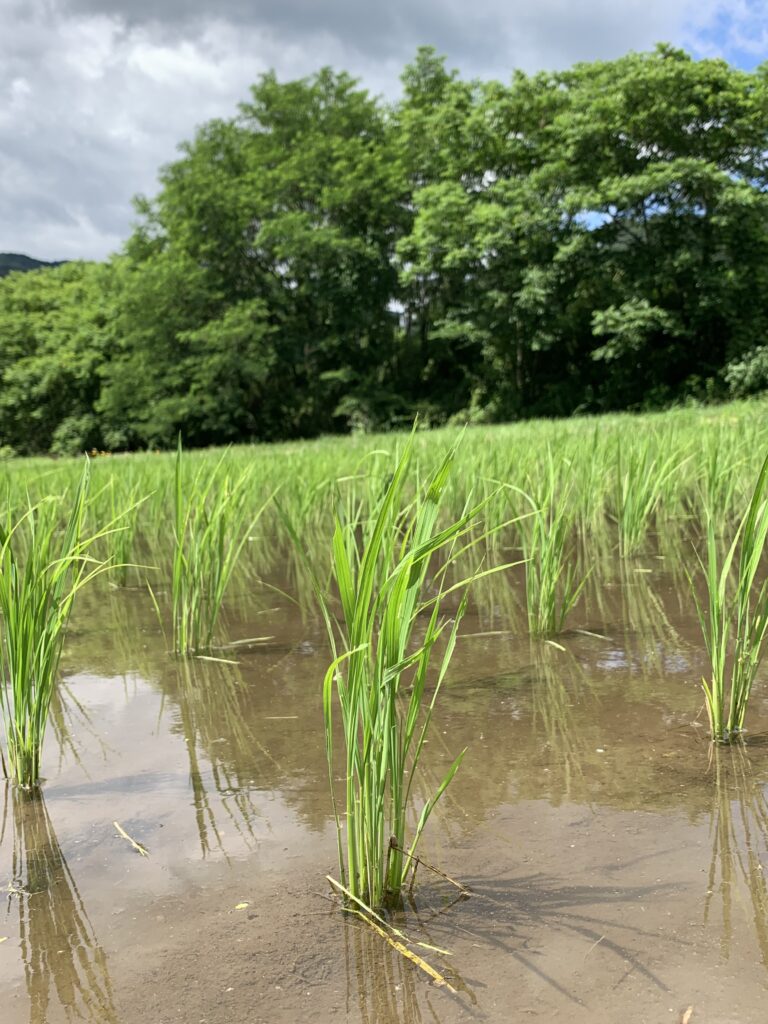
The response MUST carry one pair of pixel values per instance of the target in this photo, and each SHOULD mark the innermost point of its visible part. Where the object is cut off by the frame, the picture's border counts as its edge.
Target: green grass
(596, 483)
(553, 582)
(212, 522)
(735, 619)
(390, 567)
(44, 563)
(643, 474)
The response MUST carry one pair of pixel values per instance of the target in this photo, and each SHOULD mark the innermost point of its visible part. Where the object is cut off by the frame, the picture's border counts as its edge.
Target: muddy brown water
(617, 872)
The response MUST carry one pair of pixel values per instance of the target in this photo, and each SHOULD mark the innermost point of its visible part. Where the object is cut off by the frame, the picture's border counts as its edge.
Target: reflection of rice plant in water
(383, 982)
(211, 702)
(739, 830)
(735, 619)
(648, 638)
(211, 525)
(558, 684)
(37, 590)
(379, 671)
(59, 948)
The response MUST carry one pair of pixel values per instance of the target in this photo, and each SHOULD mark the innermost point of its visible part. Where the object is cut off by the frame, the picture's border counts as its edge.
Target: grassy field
(387, 537)
(621, 475)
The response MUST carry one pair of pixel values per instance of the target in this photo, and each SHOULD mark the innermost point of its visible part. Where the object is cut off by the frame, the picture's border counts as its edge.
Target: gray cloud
(486, 33)
(96, 94)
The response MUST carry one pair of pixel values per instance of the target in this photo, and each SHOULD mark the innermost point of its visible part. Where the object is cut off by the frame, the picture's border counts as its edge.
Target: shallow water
(616, 869)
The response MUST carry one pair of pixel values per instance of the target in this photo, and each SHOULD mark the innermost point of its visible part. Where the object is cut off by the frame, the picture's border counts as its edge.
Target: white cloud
(96, 94)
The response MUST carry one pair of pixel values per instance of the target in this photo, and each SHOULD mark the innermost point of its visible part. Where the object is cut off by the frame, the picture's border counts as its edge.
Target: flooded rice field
(616, 863)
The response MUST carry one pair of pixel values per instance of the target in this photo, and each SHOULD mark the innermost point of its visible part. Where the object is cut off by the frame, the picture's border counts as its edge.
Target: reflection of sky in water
(619, 659)
(138, 755)
(613, 660)
(228, 766)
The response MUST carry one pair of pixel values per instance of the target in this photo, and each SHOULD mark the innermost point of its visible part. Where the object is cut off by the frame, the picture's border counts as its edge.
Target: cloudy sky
(96, 94)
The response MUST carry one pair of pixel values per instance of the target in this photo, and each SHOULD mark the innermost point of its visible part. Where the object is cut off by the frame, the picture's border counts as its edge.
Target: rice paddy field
(460, 673)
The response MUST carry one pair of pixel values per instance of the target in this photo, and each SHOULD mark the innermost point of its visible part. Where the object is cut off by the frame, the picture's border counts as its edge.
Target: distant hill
(10, 261)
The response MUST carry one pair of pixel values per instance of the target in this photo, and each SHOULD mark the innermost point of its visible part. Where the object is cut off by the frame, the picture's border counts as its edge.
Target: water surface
(617, 867)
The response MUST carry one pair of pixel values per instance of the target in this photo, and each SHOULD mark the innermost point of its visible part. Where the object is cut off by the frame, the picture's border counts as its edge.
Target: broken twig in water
(419, 860)
(379, 925)
(141, 850)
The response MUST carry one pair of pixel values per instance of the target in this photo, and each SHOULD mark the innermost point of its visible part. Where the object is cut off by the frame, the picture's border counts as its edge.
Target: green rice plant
(389, 566)
(42, 568)
(720, 480)
(591, 475)
(125, 507)
(212, 522)
(735, 620)
(553, 583)
(641, 477)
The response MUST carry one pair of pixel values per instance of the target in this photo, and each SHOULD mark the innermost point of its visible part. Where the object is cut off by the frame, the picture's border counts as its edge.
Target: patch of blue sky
(592, 219)
(736, 30)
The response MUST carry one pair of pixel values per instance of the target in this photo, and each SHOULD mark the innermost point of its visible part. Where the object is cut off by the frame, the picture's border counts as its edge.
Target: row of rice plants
(593, 471)
(622, 476)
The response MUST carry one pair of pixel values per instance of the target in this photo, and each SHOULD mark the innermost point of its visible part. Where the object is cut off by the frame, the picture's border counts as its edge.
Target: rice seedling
(720, 480)
(42, 569)
(735, 619)
(212, 522)
(553, 584)
(124, 507)
(382, 645)
(641, 477)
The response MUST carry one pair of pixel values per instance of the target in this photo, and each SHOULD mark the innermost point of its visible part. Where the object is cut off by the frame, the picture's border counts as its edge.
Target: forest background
(588, 240)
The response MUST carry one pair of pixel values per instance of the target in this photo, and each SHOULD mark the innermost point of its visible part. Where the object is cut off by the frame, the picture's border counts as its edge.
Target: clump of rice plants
(390, 565)
(735, 619)
(641, 477)
(43, 566)
(125, 506)
(552, 583)
(212, 522)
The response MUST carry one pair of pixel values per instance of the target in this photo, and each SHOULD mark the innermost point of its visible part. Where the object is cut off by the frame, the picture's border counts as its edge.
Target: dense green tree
(598, 235)
(258, 303)
(667, 160)
(56, 330)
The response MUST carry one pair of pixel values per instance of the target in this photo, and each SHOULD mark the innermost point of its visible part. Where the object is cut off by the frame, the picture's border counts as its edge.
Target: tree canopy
(584, 240)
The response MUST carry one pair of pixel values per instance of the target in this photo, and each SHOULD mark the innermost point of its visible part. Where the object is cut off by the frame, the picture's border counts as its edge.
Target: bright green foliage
(592, 236)
(212, 523)
(256, 304)
(735, 620)
(641, 474)
(383, 643)
(552, 581)
(44, 563)
(124, 506)
(55, 335)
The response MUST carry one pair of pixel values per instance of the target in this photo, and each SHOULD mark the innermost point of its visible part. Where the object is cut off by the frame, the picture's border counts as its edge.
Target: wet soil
(616, 866)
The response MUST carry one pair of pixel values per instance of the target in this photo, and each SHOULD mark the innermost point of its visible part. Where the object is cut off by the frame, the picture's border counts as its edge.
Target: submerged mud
(616, 862)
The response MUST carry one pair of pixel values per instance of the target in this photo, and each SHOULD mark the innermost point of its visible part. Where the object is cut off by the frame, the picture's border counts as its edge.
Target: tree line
(324, 261)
